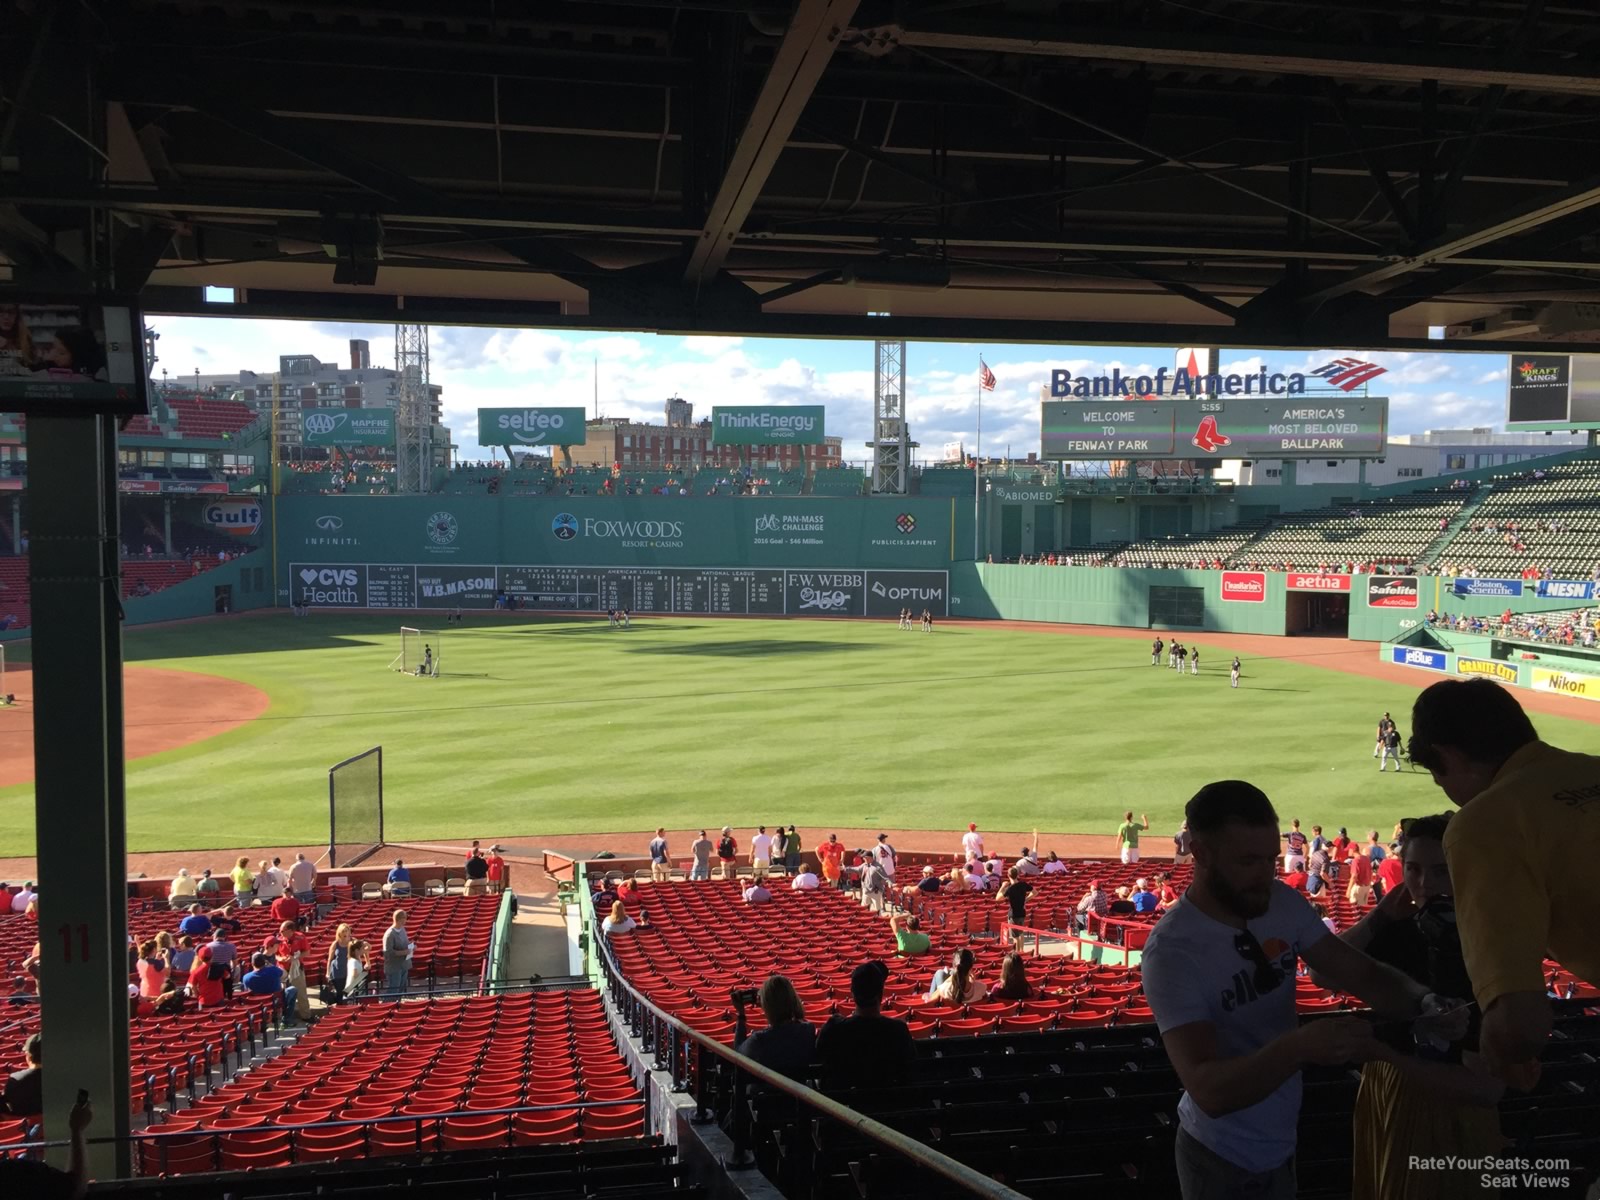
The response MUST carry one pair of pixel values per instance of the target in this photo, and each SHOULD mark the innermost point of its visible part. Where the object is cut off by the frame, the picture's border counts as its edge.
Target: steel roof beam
(801, 58)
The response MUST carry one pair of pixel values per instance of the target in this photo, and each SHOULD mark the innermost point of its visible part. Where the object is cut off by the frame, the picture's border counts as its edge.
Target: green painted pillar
(77, 697)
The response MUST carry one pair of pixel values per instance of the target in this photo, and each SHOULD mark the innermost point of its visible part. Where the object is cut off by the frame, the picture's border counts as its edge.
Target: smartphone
(83, 1096)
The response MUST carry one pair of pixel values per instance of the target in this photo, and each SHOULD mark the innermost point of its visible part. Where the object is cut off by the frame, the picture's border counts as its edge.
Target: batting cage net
(421, 652)
(355, 808)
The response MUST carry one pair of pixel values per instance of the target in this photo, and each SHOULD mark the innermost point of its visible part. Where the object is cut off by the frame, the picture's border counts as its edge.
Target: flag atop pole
(986, 379)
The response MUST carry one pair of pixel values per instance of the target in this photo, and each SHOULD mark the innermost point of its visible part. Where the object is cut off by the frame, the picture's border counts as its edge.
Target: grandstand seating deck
(1567, 496)
(205, 418)
(155, 573)
(388, 1063)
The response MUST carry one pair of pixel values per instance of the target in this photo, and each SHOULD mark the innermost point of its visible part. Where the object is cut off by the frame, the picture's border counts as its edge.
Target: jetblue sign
(1409, 656)
(1566, 589)
(1488, 587)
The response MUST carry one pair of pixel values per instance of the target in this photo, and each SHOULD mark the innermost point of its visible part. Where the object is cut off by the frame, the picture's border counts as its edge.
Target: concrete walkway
(538, 939)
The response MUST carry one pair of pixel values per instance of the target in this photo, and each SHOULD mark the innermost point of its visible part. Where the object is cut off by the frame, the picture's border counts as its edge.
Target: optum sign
(531, 427)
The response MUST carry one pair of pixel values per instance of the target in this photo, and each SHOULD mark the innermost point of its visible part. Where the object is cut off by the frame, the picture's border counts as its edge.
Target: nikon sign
(531, 427)
(347, 426)
(767, 424)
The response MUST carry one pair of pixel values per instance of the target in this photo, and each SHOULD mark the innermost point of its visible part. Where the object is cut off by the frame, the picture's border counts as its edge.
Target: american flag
(1347, 374)
(986, 379)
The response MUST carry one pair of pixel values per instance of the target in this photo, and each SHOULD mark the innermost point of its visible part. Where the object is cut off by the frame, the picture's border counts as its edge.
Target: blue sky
(638, 372)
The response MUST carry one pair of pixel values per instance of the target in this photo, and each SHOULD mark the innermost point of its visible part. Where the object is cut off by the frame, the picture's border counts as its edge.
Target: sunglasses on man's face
(1268, 973)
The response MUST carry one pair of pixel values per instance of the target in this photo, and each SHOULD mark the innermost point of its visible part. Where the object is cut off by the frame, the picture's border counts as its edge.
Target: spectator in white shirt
(756, 894)
(619, 921)
(1028, 864)
(20, 902)
(181, 894)
(303, 879)
(974, 876)
(806, 881)
(1054, 866)
(760, 853)
(271, 882)
(884, 853)
(972, 842)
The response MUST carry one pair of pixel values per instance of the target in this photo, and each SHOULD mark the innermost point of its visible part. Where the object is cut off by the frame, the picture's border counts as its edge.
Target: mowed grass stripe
(548, 728)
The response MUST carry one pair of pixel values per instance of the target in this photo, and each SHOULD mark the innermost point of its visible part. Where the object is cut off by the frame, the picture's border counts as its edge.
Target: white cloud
(1493, 376)
(709, 345)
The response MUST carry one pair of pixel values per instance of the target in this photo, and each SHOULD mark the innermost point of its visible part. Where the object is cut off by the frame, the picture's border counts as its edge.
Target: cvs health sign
(1244, 585)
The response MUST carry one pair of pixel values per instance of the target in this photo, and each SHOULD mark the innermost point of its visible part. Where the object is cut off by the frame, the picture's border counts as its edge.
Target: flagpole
(977, 461)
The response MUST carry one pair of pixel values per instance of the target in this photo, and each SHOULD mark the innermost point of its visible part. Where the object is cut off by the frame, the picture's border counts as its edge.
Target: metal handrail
(681, 1036)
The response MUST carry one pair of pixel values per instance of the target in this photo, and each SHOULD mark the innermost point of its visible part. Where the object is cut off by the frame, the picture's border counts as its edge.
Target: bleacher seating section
(155, 573)
(1009, 1087)
(204, 418)
(1567, 496)
(366, 1062)
(1391, 530)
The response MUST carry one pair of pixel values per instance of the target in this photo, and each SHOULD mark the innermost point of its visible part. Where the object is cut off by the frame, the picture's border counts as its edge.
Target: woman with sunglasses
(1432, 1100)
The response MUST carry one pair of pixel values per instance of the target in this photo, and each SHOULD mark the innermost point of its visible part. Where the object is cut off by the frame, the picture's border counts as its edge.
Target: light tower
(891, 442)
(413, 411)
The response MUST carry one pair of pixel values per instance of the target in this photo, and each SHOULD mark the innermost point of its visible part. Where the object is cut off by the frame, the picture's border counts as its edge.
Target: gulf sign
(1244, 585)
(237, 517)
(1410, 656)
(1297, 582)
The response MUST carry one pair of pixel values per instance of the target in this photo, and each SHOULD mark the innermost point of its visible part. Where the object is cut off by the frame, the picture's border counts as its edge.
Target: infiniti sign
(330, 523)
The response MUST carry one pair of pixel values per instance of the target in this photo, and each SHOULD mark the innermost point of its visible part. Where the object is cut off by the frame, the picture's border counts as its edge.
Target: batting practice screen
(355, 808)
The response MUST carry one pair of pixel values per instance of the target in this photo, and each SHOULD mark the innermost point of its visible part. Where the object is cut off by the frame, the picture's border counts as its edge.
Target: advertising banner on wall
(1393, 591)
(238, 517)
(1566, 589)
(1297, 582)
(347, 426)
(532, 427)
(1503, 671)
(767, 424)
(1311, 427)
(1566, 683)
(1244, 585)
(1487, 587)
(1411, 656)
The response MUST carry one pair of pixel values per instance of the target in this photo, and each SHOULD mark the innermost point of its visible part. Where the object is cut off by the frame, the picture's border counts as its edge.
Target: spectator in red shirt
(497, 869)
(1360, 879)
(291, 950)
(286, 909)
(1392, 871)
(207, 991)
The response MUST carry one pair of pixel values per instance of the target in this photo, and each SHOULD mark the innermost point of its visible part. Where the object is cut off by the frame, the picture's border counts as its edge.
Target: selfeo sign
(1244, 585)
(531, 427)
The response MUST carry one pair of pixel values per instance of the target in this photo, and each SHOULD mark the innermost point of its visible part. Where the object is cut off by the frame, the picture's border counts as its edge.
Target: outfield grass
(553, 727)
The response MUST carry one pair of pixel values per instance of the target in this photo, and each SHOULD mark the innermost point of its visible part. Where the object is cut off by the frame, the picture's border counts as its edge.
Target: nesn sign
(1566, 589)
(1408, 656)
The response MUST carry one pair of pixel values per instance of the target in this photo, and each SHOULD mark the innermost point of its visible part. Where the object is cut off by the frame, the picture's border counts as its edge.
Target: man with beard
(1219, 972)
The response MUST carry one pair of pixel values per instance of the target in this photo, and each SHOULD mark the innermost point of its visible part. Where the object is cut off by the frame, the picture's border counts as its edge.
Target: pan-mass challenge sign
(1309, 427)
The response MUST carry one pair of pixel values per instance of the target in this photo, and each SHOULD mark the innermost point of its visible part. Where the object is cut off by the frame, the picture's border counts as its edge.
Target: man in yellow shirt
(1529, 827)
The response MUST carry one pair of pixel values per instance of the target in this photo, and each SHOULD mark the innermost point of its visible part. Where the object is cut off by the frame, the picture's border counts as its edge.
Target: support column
(166, 525)
(78, 756)
(16, 524)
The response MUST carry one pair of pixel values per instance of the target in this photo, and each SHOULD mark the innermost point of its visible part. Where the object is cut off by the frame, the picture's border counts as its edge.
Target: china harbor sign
(1063, 384)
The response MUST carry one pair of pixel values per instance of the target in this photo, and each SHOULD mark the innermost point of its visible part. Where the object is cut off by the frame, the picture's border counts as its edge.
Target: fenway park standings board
(747, 591)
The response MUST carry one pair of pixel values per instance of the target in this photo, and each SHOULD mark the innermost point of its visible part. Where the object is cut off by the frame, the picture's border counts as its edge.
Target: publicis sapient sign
(531, 427)
(767, 424)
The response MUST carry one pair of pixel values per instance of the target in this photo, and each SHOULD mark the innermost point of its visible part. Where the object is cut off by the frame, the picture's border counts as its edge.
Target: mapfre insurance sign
(1244, 585)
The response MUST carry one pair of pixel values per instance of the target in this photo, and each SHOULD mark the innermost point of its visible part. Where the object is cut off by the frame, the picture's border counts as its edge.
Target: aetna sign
(1244, 585)
(1297, 582)
(1392, 591)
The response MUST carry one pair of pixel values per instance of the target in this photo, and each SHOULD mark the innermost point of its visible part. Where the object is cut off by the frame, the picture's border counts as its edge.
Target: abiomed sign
(767, 424)
(1565, 683)
(1504, 672)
